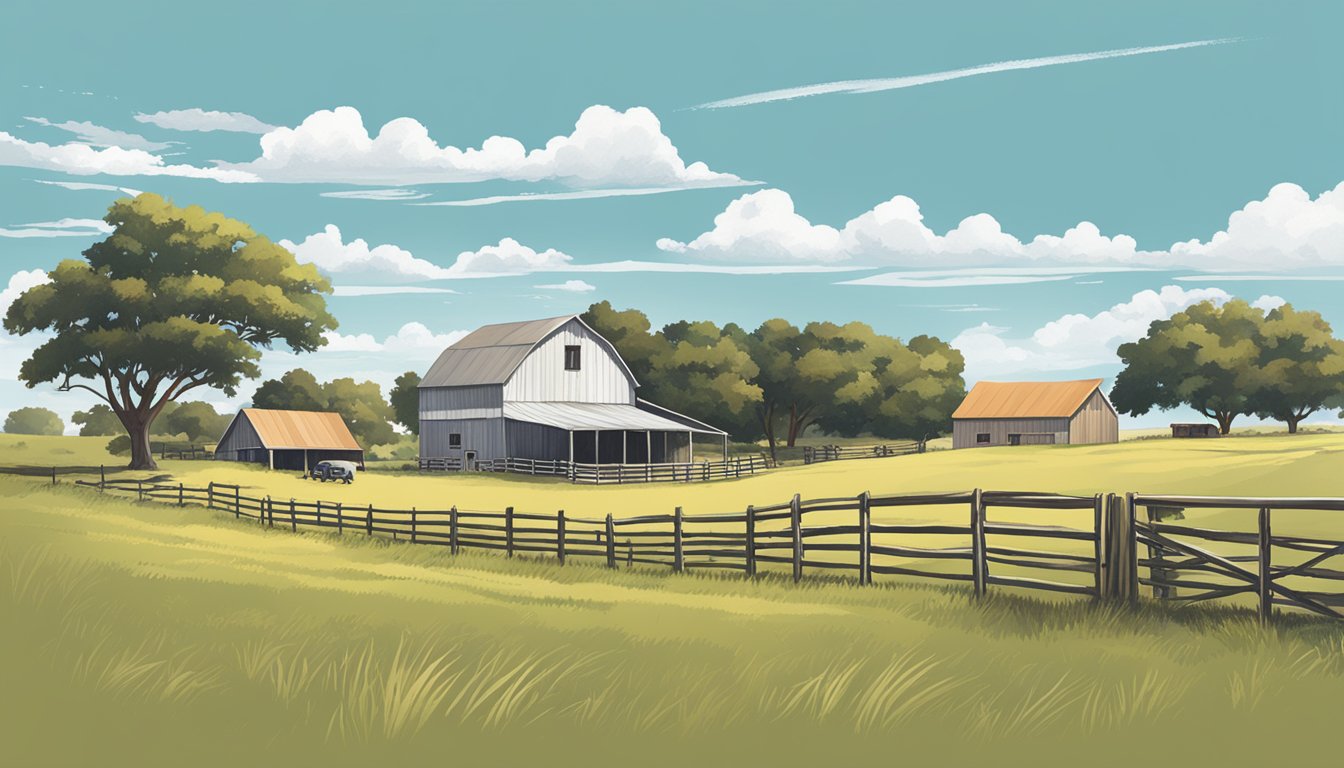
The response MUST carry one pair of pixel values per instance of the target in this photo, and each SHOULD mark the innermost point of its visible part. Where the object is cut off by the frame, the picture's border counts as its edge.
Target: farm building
(546, 390)
(1194, 430)
(1035, 413)
(287, 439)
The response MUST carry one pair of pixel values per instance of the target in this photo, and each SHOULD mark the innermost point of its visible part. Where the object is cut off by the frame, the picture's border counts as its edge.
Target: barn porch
(603, 433)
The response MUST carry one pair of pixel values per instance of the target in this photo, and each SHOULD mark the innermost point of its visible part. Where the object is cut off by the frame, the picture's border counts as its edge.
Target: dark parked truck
(336, 471)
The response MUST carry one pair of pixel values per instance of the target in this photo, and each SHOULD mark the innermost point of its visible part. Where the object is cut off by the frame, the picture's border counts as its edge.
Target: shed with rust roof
(1035, 413)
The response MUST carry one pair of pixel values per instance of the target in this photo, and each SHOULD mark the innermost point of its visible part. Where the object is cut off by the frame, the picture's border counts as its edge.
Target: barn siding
(484, 436)
(478, 402)
(1095, 422)
(240, 436)
(965, 430)
(542, 376)
(527, 440)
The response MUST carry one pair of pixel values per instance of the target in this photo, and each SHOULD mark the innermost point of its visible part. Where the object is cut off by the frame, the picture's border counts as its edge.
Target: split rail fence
(598, 474)
(1097, 555)
(815, 454)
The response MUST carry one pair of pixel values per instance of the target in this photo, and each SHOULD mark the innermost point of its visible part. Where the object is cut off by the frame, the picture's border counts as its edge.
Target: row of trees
(777, 380)
(1234, 359)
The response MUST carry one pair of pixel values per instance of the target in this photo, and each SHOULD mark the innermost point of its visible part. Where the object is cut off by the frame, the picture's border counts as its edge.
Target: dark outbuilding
(288, 439)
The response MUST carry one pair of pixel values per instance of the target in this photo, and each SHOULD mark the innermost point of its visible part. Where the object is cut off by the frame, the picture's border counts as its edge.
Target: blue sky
(916, 209)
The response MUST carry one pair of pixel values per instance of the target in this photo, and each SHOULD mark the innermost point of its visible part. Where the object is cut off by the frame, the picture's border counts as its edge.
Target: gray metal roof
(582, 416)
(490, 354)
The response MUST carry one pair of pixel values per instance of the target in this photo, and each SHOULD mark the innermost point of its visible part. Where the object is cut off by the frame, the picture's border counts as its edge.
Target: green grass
(144, 634)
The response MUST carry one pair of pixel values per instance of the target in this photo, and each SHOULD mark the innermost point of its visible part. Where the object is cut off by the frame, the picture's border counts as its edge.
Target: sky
(1034, 182)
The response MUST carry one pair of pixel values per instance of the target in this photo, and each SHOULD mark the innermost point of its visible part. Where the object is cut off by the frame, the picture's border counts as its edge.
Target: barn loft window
(983, 437)
(572, 357)
(454, 440)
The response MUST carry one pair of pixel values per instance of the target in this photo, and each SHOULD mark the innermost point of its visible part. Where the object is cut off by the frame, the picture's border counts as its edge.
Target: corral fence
(598, 474)
(819, 453)
(916, 535)
(188, 452)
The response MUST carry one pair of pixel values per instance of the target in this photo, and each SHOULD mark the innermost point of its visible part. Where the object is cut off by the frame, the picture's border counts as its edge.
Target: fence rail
(815, 454)
(598, 474)
(1098, 555)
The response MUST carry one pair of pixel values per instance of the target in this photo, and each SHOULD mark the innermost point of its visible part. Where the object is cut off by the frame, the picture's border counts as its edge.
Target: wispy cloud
(101, 136)
(88, 186)
(570, 286)
(893, 83)
(384, 290)
(59, 228)
(528, 197)
(377, 194)
(1258, 278)
(197, 119)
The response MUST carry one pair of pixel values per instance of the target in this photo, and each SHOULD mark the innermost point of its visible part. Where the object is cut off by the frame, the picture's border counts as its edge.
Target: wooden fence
(814, 454)
(167, 451)
(598, 474)
(1274, 568)
(1097, 556)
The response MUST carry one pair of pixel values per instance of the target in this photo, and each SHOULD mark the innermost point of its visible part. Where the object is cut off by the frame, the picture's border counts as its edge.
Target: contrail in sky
(892, 83)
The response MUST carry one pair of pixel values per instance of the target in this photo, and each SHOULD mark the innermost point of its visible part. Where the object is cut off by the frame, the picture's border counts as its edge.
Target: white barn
(549, 390)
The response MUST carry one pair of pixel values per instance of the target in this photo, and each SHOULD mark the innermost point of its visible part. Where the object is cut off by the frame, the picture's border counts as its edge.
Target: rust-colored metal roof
(301, 429)
(1025, 399)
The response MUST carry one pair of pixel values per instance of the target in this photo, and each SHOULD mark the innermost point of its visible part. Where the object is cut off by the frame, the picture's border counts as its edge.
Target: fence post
(629, 553)
(368, 521)
(413, 516)
(53, 475)
(796, 527)
(102, 477)
(1098, 577)
(865, 540)
(261, 514)
(140, 491)
(611, 542)
(678, 549)
(180, 490)
(293, 519)
(560, 536)
(978, 562)
(1156, 572)
(1131, 510)
(317, 513)
(340, 519)
(1266, 574)
(237, 504)
(508, 531)
(751, 541)
(452, 530)
(210, 495)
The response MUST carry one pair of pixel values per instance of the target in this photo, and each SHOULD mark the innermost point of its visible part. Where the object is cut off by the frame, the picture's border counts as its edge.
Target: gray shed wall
(240, 436)
(965, 430)
(476, 402)
(1095, 422)
(484, 436)
(527, 440)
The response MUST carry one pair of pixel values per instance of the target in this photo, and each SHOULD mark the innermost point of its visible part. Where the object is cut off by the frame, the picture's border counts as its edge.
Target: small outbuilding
(1035, 413)
(288, 439)
(1194, 430)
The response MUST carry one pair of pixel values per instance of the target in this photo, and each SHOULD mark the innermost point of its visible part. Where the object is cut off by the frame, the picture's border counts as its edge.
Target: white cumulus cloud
(572, 286)
(414, 342)
(608, 148)
(18, 283)
(380, 263)
(1077, 341)
(509, 257)
(1286, 230)
(196, 119)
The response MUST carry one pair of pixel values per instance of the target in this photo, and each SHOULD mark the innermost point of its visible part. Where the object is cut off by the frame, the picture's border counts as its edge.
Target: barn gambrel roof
(490, 354)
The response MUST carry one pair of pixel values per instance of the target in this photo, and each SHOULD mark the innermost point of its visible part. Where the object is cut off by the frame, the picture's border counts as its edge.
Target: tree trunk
(768, 427)
(1224, 421)
(142, 455)
(793, 425)
(1292, 423)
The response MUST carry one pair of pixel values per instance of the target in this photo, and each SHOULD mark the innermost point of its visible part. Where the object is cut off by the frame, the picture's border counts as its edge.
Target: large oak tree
(173, 300)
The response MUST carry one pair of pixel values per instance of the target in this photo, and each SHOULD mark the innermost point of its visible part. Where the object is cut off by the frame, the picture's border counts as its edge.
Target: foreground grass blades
(156, 633)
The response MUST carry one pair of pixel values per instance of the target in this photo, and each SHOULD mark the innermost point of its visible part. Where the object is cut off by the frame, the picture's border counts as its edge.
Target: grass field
(144, 634)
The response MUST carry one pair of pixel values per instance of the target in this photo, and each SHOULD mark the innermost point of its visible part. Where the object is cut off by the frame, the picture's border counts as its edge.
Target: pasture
(151, 632)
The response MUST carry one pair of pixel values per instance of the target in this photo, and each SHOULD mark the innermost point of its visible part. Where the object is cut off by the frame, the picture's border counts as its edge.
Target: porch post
(270, 458)
(690, 447)
(725, 446)
(625, 446)
(648, 447)
(571, 446)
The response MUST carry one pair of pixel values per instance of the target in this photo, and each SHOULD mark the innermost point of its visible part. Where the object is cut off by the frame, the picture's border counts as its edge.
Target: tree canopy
(362, 406)
(405, 401)
(173, 300)
(776, 381)
(1231, 360)
(198, 421)
(98, 420)
(34, 421)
